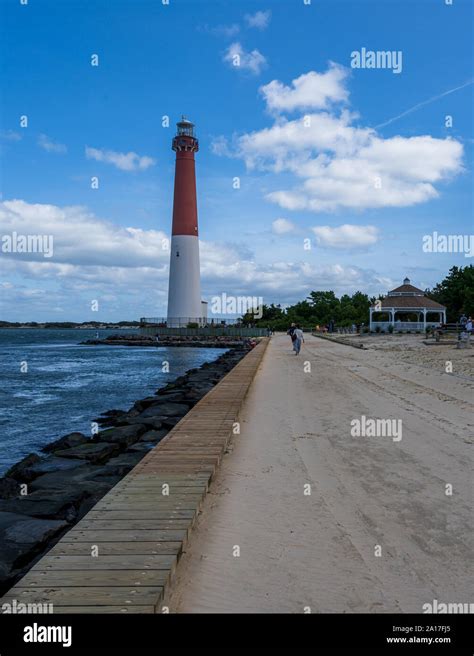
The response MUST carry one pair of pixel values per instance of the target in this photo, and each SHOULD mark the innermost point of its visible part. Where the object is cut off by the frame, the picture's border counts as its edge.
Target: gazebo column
(370, 318)
(424, 319)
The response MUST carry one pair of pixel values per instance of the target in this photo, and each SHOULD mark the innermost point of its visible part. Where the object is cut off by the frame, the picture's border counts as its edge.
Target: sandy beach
(305, 517)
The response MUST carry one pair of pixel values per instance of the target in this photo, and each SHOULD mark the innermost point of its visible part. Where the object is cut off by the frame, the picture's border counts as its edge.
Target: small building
(204, 313)
(406, 308)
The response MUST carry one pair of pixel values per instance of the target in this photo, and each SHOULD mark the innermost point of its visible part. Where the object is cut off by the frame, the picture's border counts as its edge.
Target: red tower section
(185, 144)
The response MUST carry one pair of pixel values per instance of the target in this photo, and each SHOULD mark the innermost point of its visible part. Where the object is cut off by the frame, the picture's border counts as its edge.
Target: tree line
(456, 292)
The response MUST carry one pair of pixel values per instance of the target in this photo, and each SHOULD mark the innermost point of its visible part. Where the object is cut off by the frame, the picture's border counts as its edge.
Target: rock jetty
(43, 496)
(209, 341)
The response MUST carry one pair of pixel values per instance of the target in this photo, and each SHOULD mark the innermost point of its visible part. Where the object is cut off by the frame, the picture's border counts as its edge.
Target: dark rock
(203, 388)
(21, 539)
(106, 421)
(82, 479)
(114, 413)
(167, 409)
(32, 531)
(148, 422)
(21, 471)
(46, 503)
(96, 490)
(53, 463)
(194, 394)
(9, 488)
(202, 376)
(175, 397)
(141, 447)
(96, 452)
(122, 464)
(144, 403)
(66, 442)
(122, 435)
(110, 418)
(154, 435)
(131, 413)
(170, 422)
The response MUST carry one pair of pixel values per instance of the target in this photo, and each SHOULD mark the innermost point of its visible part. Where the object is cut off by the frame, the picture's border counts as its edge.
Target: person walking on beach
(299, 340)
(291, 333)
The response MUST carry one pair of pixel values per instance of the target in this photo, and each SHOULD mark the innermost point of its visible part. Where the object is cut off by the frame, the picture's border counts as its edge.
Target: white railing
(403, 325)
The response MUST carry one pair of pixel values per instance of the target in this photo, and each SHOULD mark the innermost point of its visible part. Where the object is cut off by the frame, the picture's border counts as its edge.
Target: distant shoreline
(73, 326)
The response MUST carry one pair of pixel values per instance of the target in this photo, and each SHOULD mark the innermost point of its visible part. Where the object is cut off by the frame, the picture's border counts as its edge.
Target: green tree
(456, 292)
(325, 306)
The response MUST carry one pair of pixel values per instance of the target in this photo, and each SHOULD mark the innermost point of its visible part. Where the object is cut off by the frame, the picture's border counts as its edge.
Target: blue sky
(364, 196)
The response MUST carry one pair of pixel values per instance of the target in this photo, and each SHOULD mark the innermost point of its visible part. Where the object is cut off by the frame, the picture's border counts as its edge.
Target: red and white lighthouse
(184, 292)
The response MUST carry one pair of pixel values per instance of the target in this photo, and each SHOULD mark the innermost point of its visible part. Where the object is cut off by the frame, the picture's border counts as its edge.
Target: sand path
(319, 551)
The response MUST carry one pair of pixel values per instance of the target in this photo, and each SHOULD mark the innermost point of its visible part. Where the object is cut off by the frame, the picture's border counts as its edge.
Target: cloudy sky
(312, 174)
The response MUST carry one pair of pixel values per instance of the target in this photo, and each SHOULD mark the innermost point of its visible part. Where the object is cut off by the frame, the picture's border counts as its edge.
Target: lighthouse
(184, 292)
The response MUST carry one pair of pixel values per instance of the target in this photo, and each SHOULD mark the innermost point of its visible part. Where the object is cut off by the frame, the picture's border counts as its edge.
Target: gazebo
(406, 308)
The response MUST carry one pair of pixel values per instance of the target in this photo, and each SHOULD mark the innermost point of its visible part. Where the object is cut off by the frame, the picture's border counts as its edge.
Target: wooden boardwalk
(121, 556)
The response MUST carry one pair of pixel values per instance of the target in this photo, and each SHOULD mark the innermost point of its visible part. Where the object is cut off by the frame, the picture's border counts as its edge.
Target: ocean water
(67, 385)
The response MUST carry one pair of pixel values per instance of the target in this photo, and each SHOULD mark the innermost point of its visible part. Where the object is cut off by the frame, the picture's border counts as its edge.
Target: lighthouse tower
(184, 293)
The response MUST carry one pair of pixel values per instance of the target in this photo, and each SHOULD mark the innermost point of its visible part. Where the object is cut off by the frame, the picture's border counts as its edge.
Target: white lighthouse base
(184, 293)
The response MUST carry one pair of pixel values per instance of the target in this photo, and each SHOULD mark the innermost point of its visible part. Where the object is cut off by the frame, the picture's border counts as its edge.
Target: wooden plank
(93, 524)
(125, 536)
(165, 508)
(133, 513)
(93, 578)
(172, 491)
(158, 481)
(89, 596)
(100, 562)
(160, 500)
(142, 493)
(104, 610)
(121, 504)
(107, 548)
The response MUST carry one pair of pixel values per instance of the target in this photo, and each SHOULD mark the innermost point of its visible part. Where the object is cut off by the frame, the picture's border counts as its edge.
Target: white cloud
(260, 19)
(50, 146)
(338, 164)
(346, 236)
(10, 135)
(80, 238)
(123, 161)
(240, 59)
(282, 226)
(127, 269)
(220, 146)
(222, 30)
(309, 91)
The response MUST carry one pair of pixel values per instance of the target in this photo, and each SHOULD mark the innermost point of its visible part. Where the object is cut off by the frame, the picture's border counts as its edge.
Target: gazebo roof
(410, 302)
(407, 289)
(408, 297)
